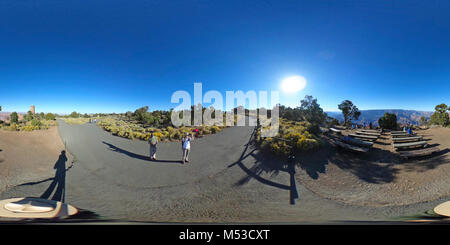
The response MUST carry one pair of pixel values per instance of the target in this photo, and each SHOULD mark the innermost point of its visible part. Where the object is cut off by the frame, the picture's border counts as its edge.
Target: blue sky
(115, 56)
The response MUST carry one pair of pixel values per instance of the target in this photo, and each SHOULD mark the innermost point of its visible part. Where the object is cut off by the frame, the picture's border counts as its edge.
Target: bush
(131, 130)
(76, 121)
(13, 127)
(215, 129)
(36, 122)
(14, 118)
(388, 121)
(438, 118)
(50, 116)
(291, 136)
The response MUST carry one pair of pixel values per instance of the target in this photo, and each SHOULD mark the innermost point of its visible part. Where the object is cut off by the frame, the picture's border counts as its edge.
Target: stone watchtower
(33, 109)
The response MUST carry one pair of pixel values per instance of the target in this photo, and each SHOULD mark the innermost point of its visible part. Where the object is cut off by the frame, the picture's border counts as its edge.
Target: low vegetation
(291, 136)
(139, 124)
(299, 129)
(132, 130)
(76, 121)
(30, 122)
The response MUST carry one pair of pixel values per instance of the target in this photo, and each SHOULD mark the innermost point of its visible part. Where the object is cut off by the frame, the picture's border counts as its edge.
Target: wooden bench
(401, 135)
(353, 141)
(336, 130)
(397, 132)
(419, 153)
(365, 137)
(410, 144)
(371, 131)
(407, 139)
(370, 134)
(351, 147)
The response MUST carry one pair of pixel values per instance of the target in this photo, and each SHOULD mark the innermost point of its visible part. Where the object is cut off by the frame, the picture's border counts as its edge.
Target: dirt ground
(380, 177)
(22, 151)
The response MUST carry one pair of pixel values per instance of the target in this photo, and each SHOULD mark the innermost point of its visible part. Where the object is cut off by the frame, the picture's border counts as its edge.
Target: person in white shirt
(186, 145)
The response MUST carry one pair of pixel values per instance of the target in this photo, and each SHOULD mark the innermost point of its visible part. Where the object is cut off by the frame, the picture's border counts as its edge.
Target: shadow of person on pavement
(59, 181)
(137, 156)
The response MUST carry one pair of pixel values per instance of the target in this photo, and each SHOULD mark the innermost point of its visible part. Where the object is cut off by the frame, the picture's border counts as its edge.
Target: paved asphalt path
(226, 181)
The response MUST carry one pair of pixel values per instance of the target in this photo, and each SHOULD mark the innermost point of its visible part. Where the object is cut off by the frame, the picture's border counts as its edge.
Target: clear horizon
(117, 56)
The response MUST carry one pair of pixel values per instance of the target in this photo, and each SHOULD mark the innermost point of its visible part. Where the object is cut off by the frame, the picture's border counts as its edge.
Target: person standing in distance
(186, 143)
(153, 141)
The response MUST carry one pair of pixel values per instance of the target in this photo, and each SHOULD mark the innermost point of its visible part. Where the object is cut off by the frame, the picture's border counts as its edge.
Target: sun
(293, 84)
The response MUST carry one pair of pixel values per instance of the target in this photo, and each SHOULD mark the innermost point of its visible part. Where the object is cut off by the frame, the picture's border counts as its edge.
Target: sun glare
(293, 84)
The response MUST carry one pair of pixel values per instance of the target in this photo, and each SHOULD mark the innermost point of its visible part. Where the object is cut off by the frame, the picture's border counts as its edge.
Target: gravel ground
(227, 181)
(379, 177)
(28, 156)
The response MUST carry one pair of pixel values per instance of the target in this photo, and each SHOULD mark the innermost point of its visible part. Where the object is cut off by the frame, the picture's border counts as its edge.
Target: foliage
(349, 111)
(292, 114)
(76, 121)
(312, 113)
(34, 124)
(331, 121)
(14, 118)
(157, 118)
(131, 130)
(50, 116)
(440, 116)
(309, 111)
(388, 121)
(75, 114)
(423, 120)
(29, 116)
(291, 136)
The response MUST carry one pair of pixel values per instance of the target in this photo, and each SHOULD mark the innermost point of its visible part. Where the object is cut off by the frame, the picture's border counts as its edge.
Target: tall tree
(440, 116)
(310, 111)
(349, 110)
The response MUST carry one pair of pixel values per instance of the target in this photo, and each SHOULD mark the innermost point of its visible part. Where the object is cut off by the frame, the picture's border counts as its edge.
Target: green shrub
(388, 121)
(291, 136)
(50, 116)
(132, 130)
(36, 122)
(215, 129)
(13, 127)
(14, 117)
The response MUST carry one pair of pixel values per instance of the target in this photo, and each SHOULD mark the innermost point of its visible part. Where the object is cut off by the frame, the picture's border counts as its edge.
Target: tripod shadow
(265, 163)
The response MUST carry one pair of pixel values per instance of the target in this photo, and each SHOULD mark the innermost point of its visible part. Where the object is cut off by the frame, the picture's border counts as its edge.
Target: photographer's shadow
(59, 181)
